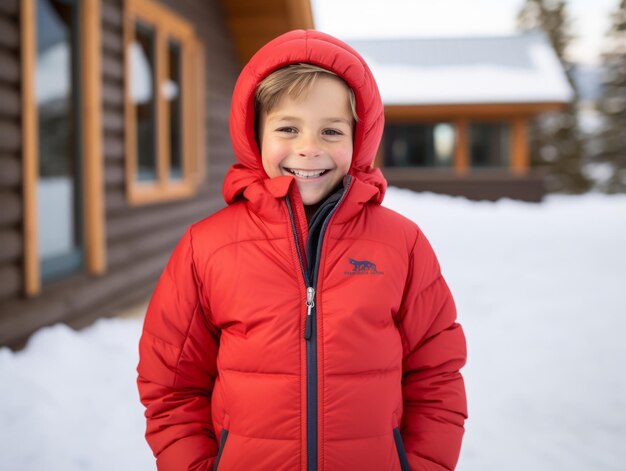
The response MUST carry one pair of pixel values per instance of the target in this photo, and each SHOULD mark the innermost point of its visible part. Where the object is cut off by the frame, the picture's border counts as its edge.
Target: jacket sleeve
(434, 404)
(177, 368)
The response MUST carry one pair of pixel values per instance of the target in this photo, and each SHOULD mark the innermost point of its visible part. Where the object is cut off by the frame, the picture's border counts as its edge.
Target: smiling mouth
(306, 173)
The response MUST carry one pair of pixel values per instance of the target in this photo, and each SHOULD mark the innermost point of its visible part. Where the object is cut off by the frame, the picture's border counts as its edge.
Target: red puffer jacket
(247, 365)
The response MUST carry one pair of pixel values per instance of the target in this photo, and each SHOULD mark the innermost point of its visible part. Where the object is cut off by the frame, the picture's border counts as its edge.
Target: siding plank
(112, 121)
(112, 15)
(9, 67)
(113, 147)
(10, 246)
(11, 205)
(128, 222)
(10, 136)
(112, 68)
(9, 7)
(10, 281)
(114, 174)
(9, 33)
(10, 172)
(112, 41)
(145, 246)
(10, 102)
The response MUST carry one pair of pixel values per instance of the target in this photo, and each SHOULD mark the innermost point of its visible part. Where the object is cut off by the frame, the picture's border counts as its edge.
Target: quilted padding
(223, 365)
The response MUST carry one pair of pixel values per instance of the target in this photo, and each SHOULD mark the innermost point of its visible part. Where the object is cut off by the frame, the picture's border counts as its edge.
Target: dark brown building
(113, 139)
(457, 111)
(114, 134)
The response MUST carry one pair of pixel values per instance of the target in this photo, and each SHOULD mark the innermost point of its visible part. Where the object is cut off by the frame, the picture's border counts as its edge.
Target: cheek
(272, 154)
(344, 159)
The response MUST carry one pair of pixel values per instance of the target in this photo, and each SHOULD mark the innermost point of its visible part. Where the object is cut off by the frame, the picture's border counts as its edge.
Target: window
(164, 104)
(419, 145)
(61, 140)
(59, 228)
(490, 145)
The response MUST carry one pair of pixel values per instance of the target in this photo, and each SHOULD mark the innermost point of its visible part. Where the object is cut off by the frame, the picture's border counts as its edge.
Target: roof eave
(469, 110)
(253, 24)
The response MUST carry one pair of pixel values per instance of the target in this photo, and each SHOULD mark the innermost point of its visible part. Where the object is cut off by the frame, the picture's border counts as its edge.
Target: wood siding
(253, 23)
(139, 240)
(484, 184)
(11, 202)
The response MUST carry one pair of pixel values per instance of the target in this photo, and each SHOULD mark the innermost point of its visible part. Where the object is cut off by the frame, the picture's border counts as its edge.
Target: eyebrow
(325, 120)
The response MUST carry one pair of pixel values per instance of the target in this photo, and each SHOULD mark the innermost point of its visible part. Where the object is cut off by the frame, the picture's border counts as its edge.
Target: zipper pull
(310, 302)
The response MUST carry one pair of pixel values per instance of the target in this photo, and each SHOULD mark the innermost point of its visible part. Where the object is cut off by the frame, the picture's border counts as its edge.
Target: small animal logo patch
(362, 267)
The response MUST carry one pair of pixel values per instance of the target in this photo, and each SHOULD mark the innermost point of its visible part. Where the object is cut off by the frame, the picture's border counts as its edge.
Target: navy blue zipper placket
(310, 292)
(310, 331)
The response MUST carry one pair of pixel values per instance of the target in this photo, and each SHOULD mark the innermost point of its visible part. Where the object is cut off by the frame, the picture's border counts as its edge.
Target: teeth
(305, 173)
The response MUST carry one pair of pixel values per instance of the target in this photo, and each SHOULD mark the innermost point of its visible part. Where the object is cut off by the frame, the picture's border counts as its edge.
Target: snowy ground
(541, 292)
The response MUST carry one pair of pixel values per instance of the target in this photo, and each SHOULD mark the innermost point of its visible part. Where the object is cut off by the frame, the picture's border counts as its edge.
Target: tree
(612, 104)
(555, 139)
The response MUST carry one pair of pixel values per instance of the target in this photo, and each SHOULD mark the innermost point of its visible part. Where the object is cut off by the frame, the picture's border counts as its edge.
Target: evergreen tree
(555, 139)
(612, 104)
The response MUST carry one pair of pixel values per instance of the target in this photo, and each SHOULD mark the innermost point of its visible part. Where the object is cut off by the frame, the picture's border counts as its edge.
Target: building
(458, 109)
(113, 139)
(114, 134)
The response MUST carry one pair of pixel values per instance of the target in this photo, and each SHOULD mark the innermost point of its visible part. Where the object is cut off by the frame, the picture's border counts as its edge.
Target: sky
(360, 19)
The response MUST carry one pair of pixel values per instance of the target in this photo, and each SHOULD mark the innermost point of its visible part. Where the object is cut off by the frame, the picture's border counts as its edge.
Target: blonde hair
(292, 81)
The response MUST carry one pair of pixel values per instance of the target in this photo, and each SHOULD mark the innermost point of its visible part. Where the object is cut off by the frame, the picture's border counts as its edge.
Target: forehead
(327, 95)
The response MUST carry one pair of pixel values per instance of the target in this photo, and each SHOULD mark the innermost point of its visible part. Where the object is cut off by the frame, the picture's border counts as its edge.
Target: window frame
(408, 125)
(91, 159)
(461, 117)
(167, 26)
(502, 126)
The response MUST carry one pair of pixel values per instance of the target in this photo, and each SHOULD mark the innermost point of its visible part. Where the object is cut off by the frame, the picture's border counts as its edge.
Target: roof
(252, 23)
(520, 68)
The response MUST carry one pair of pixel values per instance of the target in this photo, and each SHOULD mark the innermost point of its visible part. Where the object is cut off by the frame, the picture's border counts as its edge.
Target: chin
(310, 201)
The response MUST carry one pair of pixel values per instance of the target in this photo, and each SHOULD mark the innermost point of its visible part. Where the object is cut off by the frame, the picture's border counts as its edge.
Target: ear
(259, 124)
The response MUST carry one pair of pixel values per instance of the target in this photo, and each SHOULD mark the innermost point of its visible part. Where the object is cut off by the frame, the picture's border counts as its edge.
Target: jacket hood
(247, 177)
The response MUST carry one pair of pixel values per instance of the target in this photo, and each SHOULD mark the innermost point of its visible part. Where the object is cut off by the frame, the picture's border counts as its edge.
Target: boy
(304, 326)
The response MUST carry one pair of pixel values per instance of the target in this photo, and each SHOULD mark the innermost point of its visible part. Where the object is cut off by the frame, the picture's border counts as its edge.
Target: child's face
(309, 138)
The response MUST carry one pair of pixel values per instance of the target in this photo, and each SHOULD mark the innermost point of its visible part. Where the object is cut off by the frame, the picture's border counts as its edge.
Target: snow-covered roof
(521, 68)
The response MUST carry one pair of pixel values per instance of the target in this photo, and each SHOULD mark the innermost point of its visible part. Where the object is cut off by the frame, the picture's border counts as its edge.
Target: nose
(308, 146)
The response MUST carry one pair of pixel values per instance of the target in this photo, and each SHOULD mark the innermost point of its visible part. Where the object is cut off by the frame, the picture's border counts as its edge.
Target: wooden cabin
(458, 109)
(113, 139)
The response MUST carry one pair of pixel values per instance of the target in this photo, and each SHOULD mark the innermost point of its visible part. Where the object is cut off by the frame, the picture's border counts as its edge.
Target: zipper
(310, 332)
(223, 437)
(311, 413)
(310, 304)
(404, 462)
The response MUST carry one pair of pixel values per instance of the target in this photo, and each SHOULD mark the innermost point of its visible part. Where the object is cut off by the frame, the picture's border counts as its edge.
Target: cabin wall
(10, 157)
(489, 185)
(139, 239)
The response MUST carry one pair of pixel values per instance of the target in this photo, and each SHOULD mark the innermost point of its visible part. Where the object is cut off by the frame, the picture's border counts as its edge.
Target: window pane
(142, 54)
(173, 97)
(489, 144)
(58, 187)
(443, 141)
(419, 145)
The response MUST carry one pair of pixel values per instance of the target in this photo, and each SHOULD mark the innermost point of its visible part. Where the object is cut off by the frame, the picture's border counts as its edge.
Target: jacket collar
(265, 196)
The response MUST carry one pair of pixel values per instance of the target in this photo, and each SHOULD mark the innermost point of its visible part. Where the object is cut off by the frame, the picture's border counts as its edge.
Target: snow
(521, 68)
(402, 84)
(539, 290)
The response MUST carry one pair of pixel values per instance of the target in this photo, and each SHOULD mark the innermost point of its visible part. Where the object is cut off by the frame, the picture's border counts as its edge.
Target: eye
(332, 132)
(287, 129)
